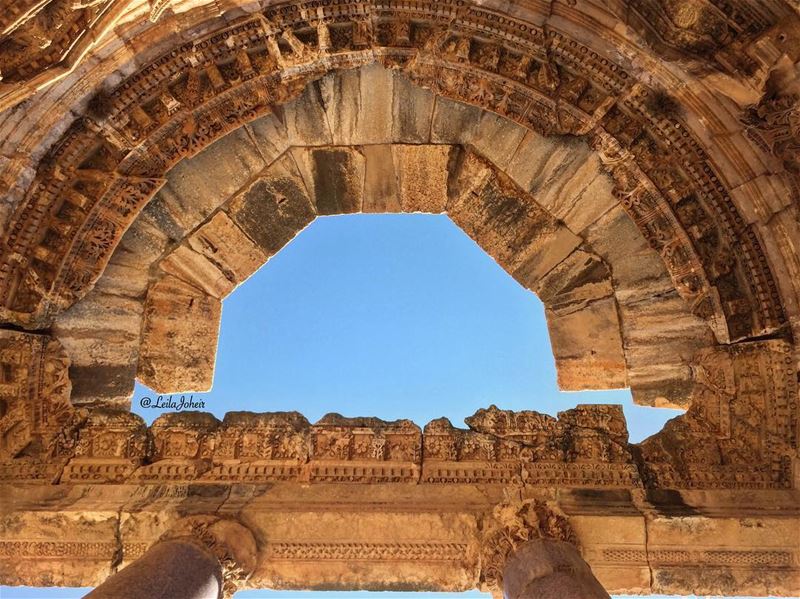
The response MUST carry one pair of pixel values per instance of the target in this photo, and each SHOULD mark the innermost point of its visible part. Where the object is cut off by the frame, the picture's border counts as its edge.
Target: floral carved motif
(511, 525)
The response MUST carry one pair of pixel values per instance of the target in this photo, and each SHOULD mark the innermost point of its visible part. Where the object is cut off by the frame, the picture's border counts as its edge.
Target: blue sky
(395, 316)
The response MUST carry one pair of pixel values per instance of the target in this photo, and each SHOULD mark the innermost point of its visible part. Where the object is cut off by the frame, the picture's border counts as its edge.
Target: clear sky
(395, 316)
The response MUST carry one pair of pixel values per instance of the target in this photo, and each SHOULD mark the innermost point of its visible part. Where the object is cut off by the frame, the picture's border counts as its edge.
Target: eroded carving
(512, 524)
(741, 430)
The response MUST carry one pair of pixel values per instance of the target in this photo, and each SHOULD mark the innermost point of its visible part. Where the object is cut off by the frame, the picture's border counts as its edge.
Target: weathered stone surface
(216, 257)
(179, 337)
(587, 346)
(200, 184)
(306, 124)
(381, 192)
(412, 111)
(422, 173)
(103, 354)
(508, 224)
(275, 208)
(358, 105)
(334, 178)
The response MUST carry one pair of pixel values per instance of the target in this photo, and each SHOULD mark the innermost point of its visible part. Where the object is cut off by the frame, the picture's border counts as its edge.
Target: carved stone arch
(547, 82)
(368, 140)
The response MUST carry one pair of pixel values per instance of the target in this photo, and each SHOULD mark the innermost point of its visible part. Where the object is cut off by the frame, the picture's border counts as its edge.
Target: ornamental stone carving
(550, 84)
(512, 525)
(228, 540)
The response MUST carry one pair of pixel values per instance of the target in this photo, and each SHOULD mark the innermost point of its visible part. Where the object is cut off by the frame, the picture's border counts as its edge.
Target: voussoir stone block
(509, 225)
(198, 186)
(275, 208)
(381, 187)
(103, 352)
(270, 136)
(334, 178)
(179, 337)
(422, 172)
(305, 119)
(358, 105)
(587, 346)
(216, 257)
(412, 111)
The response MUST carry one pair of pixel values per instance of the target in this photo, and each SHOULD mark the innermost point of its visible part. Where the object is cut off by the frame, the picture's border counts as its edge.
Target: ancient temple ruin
(635, 163)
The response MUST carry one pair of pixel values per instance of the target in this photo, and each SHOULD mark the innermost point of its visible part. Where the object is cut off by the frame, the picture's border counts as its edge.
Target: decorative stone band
(707, 557)
(38, 549)
(406, 551)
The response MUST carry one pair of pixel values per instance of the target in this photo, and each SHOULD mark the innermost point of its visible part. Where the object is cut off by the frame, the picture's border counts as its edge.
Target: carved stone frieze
(586, 446)
(62, 234)
(774, 123)
(35, 411)
(742, 428)
(35, 36)
(109, 446)
(716, 31)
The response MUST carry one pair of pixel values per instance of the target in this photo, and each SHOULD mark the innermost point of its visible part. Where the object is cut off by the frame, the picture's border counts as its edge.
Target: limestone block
(587, 347)
(565, 177)
(179, 337)
(581, 278)
(412, 110)
(453, 122)
(305, 120)
(661, 337)
(523, 238)
(270, 136)
(381, 193)
(358, 105)
(333, 176)
(578, 196)
(73, 548)
(422, 173)
(101, 336)
(497, 138)
(275, 208)
(199, 185)
(758, 565)
(616, 239)
(216, 257)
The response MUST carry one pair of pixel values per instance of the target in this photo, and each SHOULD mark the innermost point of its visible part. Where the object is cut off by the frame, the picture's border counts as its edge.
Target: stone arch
(615, 319)
(111, 161)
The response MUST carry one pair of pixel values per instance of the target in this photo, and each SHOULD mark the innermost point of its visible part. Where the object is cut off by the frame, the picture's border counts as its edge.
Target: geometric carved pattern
(67, 550)
(108, 165)
(408, 551)
(707, 557)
